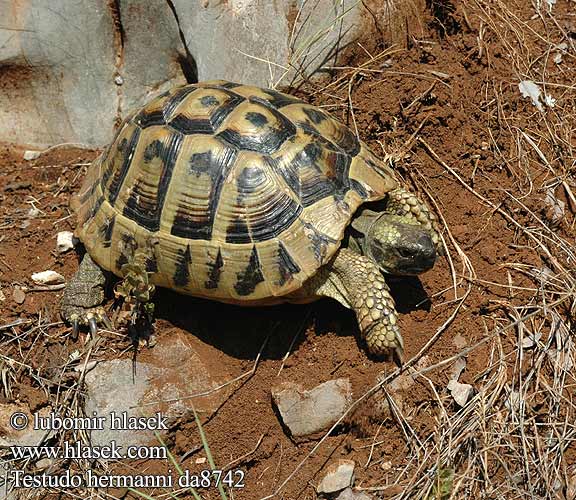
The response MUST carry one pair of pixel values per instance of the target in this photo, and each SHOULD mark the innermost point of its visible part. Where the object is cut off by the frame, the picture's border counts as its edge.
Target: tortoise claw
(93, 326)
(75, 328)
(106, 320)
(90, 318)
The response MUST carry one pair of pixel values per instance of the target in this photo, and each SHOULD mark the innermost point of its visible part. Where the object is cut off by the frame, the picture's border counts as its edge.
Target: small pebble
(65, 241)
(44, 463)
(33, 212)
(462, 393)
(459, 341)
(48, 278)
(338, 476)
(89, 366)
(31, 155)
(18, 295)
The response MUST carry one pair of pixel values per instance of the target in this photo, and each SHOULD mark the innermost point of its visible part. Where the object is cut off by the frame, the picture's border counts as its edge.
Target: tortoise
(249, 196)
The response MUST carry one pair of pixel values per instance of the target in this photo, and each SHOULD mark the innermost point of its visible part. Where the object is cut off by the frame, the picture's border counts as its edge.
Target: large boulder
(70, 70)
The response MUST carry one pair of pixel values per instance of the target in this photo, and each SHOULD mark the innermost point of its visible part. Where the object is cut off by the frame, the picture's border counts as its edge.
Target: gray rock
(56, 62)
(69, 71)
(338, 476)
(10, 437)
(28, 436)
(172, 371)
(351, 494)
(60, 64)
(258, 41)
(152, 51)
(307, 412)
(113, 388)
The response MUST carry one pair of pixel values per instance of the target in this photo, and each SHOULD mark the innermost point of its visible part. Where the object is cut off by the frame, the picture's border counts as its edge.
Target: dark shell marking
(250, 277)
(286, 265)
(278, 211)
(215, 272)
(106, 232)
(319, 241)
(125, 151)
(306, 179)
(189, 126)
(182, 274)
(188, 224)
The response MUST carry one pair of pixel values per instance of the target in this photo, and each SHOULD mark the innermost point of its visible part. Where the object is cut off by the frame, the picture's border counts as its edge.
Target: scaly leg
(82, 296)
(356, 282)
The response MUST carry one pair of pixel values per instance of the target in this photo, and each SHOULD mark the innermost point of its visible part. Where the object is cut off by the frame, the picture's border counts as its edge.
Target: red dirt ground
(454, 118)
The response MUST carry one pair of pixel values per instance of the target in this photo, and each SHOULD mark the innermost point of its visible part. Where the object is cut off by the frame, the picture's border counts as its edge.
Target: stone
(306, 412)
(31, 155)
(153, 57)
(65, 241)
(23, 432)
(173, 370)
(462, 393)
(457, 368)
(18, 295)
(48, 277)
(351, 494)
(56, 62)
(258, 42)
(70, 71)
(338, 476)
(45, 463)
(60, 63)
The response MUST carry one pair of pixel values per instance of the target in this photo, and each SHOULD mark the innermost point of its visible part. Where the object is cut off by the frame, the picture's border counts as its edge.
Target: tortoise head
(395, 243)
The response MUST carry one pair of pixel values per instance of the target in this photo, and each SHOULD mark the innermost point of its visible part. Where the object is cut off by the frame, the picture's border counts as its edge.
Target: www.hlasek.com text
(78, 450)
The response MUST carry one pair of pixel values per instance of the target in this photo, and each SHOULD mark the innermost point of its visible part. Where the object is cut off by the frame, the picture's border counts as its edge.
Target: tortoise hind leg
(83, 295)
(357, 283)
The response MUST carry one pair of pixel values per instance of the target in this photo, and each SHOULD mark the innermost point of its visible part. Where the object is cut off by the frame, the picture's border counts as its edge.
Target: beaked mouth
(411, 271)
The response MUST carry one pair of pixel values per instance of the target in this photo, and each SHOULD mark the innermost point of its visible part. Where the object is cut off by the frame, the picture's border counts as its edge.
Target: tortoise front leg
(82, 296)
(356, 282)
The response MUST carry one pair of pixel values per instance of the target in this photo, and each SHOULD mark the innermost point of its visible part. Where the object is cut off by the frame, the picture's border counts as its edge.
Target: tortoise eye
(405, 253)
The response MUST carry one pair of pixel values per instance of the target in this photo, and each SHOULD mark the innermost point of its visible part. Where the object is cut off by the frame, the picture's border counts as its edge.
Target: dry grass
(510, 440)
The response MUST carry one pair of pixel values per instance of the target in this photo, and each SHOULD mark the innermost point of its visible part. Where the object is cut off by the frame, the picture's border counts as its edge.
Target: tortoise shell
(226, 191)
